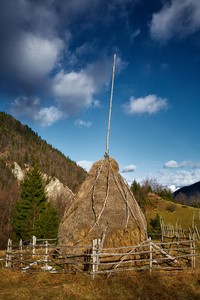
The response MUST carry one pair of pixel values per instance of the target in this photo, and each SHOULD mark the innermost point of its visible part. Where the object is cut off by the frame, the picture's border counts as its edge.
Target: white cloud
(178, 178)
(36, 55)
(150, 104)
(85, 164)
(177, 18)
(74, 91)
(195, 165)
(46, 116)
(166, 178)
(96, 103)
(183, 164)
(172, 188)
(135, 34)
(130, 168)
(172, 164)
(79, 122)
(30, 108)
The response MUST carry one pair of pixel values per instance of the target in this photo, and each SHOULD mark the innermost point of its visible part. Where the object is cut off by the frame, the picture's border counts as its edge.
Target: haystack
(103, 201)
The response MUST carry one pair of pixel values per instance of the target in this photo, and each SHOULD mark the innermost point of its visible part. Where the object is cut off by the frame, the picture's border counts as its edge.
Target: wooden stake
(113, 75)
(150, 255)
(46, 254)
(95, 257)
(8, 257)
(34, 244)
(193, 220)
(194, 263)
(191, 251)
(21, 251)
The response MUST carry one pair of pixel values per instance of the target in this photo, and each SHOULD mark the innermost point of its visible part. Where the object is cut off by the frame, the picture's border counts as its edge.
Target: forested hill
(19, 143)
(189, 195)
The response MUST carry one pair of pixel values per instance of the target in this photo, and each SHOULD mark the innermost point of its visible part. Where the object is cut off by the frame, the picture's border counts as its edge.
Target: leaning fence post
(150, 255)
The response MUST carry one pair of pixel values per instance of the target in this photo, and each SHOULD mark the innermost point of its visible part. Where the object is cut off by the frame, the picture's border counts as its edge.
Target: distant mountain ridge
(191, 193)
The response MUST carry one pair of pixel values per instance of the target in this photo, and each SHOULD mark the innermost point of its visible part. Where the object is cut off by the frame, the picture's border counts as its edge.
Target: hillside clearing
(183, 213)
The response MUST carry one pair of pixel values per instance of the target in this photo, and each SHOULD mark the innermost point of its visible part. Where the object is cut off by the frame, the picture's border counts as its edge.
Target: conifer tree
(31, 211)
(139, 196)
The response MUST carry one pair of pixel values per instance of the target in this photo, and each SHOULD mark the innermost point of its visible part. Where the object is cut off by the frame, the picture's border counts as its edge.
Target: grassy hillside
(170, 212)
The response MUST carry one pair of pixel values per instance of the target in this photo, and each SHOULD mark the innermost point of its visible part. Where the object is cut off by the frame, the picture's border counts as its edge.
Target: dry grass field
(16, 284)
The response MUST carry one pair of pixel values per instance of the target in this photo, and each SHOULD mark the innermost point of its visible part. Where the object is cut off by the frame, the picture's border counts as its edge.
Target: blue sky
(56, 62)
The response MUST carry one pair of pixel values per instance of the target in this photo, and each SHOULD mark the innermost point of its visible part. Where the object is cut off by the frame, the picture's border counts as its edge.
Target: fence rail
(94, 259)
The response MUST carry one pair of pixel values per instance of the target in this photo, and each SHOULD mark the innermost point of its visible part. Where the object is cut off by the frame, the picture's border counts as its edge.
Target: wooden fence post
(46, 254)
(162, 229)
(8, 256)
(191, 251)
(34, 244)
(150, 255)
(193, 220)
(194, 261)
(21, 252)
(95, 252)
(197, 233)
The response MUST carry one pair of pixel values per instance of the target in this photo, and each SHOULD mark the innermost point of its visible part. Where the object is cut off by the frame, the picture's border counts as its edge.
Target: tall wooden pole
(113, 75)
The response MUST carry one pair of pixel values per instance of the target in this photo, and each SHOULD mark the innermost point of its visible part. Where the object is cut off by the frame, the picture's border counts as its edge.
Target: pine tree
(33, 208)
(46, 226)
(138, 194)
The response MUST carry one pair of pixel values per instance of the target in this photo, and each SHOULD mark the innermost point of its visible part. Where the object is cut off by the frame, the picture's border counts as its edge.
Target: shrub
(172, 207)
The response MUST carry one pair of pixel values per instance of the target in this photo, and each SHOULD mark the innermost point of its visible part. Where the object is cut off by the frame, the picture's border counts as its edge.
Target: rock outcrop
(57, 192)
(18, 173)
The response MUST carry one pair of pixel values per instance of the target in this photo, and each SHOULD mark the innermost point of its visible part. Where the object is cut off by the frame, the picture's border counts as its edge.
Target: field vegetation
(172, 212)
(18, 285)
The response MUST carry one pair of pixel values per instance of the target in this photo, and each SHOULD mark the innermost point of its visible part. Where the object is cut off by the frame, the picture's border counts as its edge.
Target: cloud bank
(172, 164)
(167, 178)
(195, 165)
(45, 65)
(30, 109)
(177, 18)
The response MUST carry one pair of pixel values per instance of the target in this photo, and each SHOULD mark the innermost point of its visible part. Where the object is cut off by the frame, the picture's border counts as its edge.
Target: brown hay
(104, 199)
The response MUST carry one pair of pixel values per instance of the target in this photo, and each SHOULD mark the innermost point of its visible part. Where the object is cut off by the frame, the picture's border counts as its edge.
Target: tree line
(141, 191)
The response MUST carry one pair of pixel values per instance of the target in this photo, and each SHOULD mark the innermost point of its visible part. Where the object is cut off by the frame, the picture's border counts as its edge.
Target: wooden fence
(170, 230)
(34, 255)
